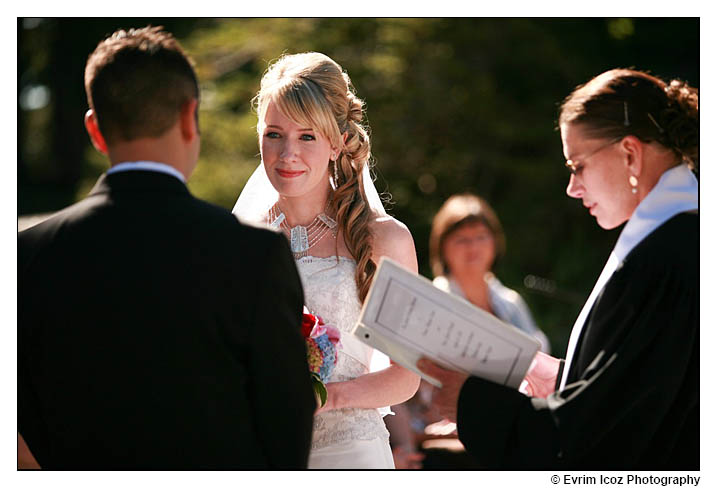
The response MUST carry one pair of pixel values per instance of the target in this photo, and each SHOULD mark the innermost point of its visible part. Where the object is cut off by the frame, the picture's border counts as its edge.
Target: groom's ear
(98, 141)
(189, 120)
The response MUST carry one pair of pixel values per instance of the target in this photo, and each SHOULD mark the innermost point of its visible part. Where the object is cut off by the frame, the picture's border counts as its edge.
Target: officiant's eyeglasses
(575, 166)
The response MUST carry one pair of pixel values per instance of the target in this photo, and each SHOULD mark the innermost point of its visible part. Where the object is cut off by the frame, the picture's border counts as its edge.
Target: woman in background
(465, 243)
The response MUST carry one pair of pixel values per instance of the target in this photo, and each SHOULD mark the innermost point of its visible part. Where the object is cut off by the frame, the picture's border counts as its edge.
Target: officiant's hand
(446, 398)
(540, 381)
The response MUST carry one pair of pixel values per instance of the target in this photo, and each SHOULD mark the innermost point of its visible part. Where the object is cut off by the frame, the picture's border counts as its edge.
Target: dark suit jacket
(157, 332)
(633, 397)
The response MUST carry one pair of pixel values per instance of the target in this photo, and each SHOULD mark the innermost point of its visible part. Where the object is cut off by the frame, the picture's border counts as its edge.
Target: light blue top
(506, 304)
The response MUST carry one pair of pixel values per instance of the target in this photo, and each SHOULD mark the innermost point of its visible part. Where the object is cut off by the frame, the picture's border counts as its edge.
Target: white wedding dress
(343, 438)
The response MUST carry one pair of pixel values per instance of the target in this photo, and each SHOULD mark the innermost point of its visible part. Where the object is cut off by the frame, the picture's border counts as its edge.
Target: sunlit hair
(460, 210)
(136, 82)
(622, 102)
(313, 91)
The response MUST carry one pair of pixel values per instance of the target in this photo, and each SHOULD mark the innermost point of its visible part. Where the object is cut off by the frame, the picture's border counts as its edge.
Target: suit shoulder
(48, 226)
(214, 212)
(672, 246)
(683, 222)
(230, 225)
(677, 236)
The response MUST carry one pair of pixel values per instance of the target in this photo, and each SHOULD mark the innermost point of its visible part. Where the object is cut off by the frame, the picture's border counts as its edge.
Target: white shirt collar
(675, 192)
(146, 165)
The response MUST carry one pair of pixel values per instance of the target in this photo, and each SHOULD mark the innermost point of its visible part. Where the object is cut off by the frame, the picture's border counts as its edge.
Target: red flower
(308, 323)
(322, 342)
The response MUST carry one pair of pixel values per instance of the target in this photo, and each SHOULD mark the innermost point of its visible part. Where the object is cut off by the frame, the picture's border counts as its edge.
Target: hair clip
(625, 114)
(660, 129)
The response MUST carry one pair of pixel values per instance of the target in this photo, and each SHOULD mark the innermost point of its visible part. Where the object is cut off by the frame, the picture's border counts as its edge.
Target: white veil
(258, 195)
(256, 198)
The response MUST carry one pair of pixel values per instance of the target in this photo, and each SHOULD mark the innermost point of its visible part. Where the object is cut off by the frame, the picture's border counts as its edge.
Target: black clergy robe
(632, 397)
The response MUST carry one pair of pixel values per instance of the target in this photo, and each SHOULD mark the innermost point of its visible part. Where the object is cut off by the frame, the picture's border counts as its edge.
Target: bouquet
(322, 344)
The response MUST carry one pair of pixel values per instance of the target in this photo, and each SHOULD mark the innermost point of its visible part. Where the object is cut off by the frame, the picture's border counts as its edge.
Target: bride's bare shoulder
(393, 239)
(389, 227)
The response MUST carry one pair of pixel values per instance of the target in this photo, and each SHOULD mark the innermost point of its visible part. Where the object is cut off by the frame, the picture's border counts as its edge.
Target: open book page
(406, 317)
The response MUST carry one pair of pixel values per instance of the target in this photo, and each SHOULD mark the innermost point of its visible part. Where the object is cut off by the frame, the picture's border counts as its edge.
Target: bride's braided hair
(313, 90)
(351, 205)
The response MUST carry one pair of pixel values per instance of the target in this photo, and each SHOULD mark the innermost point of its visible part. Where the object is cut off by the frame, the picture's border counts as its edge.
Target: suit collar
(138, 180)
(147, 165)
(675, 192)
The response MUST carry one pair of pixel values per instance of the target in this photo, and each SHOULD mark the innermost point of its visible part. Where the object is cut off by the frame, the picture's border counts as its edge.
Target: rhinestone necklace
(301, 238)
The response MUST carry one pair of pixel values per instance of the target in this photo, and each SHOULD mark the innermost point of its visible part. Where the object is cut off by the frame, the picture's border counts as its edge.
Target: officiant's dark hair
(136, 82)
(622, 102)
(457, 211)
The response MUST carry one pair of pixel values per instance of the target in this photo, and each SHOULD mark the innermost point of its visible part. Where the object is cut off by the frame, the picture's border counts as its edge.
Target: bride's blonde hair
(313, 91)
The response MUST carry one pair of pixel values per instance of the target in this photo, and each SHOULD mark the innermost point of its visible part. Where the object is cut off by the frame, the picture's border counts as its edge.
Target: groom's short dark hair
(136, 83)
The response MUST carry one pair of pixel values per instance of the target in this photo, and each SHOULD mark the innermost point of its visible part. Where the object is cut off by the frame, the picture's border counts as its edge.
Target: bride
(313, 184)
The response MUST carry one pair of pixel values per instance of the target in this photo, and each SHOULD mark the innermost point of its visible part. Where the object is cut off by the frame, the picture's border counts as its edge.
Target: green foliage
(454, 105)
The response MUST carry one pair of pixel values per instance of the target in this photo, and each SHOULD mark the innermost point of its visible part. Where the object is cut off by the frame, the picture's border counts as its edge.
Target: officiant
(627, 394)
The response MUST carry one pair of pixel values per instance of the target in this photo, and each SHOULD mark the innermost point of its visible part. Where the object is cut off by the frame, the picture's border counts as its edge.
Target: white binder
(406, 317)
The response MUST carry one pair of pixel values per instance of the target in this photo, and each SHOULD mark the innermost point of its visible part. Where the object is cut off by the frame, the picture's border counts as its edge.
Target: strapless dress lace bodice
(330, 292)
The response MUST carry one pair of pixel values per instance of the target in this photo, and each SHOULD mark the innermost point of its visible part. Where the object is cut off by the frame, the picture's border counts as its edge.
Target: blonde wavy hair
(313, 91)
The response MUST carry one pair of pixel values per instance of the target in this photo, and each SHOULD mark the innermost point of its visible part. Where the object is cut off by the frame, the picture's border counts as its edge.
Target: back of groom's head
(137, 82)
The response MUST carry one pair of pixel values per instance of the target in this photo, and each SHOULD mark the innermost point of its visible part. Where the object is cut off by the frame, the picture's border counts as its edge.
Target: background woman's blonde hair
(313, 91)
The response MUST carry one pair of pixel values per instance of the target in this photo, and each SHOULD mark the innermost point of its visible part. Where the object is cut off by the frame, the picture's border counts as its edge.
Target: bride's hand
(330, 398)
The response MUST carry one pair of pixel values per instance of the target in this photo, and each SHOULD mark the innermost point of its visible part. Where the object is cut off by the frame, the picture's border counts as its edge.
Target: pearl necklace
(301, 238)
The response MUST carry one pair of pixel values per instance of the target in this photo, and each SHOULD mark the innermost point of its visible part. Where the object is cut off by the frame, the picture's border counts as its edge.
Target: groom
(154, 330)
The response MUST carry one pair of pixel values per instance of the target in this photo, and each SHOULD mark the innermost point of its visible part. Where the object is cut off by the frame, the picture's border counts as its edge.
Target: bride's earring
(336, 174)
(633, 181)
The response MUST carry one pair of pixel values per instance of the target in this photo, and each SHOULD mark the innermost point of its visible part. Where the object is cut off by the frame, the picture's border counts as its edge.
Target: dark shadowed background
(455, 104)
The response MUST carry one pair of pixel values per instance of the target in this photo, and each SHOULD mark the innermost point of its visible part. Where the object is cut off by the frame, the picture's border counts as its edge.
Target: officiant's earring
(634, 184)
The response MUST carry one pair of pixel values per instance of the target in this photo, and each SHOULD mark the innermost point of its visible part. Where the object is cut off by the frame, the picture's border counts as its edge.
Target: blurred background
(454, 105)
